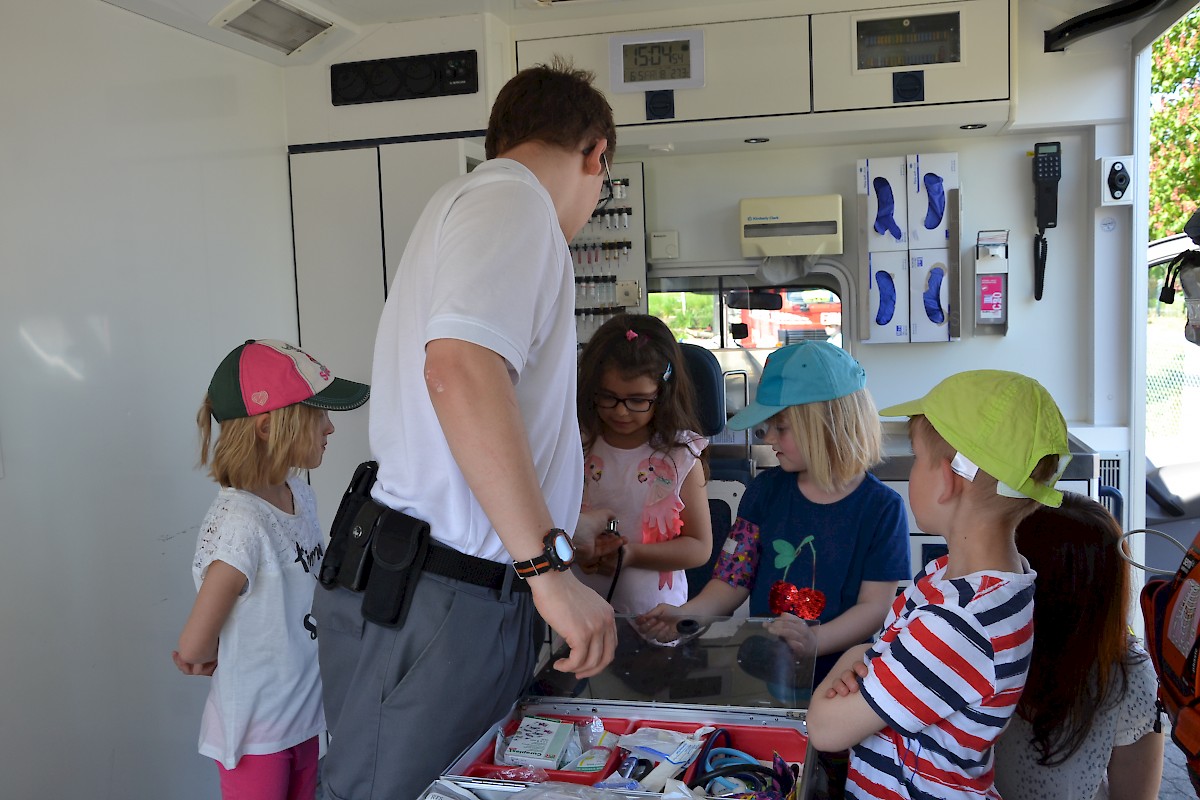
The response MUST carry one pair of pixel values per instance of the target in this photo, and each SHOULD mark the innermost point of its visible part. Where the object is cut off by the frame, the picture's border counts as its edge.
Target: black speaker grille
(404, 78)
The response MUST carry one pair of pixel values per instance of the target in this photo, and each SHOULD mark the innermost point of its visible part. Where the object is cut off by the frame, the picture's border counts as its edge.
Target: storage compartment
(750, 68)
(936, 53)
(733, 675)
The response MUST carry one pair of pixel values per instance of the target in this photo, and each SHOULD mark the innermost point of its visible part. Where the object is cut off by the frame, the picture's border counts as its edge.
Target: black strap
(450, 563)
(1039, 264)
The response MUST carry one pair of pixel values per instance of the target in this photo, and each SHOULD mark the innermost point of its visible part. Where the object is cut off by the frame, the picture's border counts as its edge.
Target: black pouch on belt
(398, 549)
(343, 543)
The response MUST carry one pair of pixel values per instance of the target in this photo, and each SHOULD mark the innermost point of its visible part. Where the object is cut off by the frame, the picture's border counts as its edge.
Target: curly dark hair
(646, 354)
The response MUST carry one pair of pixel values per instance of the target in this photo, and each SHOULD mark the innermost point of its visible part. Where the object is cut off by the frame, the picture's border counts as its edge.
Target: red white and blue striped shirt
(945, 676)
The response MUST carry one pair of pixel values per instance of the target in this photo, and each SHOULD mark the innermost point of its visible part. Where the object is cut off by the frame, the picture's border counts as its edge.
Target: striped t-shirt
(945, 676)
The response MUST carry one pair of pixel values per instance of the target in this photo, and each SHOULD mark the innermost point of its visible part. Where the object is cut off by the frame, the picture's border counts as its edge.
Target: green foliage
(684, 311)
(1174, 121)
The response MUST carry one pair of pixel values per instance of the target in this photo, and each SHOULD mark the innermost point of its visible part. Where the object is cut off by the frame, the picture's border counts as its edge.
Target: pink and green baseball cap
(265, 374)
(1002, 422)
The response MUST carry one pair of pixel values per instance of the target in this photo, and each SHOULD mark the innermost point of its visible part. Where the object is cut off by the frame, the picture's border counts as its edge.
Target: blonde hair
(838, 438)
(982, 490)
(243, 461)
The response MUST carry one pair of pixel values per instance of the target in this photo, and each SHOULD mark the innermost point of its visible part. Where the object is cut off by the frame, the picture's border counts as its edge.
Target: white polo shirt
(487, 263)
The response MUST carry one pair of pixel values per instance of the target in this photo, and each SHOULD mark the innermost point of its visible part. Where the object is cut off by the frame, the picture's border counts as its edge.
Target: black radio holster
(376, 551)
(357, 494)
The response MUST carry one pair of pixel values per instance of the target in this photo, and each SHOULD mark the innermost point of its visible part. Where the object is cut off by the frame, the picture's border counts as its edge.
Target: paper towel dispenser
(791, 226)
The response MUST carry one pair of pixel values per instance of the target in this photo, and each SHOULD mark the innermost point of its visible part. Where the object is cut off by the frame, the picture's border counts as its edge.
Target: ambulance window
(733, 312)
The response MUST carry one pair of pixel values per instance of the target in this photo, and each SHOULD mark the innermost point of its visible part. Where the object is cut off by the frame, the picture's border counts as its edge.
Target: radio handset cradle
(1047, 171)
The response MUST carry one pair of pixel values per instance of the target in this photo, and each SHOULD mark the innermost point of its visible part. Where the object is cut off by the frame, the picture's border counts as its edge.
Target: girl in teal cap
(818, 538)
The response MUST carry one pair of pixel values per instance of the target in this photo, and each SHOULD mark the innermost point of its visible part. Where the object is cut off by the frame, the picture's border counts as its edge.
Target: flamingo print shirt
(641, 487)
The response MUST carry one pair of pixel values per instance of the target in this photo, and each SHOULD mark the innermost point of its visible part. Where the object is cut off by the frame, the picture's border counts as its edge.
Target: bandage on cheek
(963, 467)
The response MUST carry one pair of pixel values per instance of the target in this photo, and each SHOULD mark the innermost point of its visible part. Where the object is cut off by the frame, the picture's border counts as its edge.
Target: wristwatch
(558, 556)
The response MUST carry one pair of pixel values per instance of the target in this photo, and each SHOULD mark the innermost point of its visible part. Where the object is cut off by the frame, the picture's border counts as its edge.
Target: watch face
(563, 548)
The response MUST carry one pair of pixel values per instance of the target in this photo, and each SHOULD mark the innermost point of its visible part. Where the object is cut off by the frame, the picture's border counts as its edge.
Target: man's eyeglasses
(638, 405)
(606, 194)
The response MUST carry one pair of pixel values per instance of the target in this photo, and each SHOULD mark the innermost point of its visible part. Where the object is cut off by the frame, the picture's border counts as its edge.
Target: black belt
(450, 563)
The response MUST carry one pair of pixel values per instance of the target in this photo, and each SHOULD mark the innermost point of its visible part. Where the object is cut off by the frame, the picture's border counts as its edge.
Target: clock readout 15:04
(657, 61)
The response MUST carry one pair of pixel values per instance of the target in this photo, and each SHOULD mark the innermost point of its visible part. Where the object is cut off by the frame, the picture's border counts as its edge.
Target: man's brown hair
(551, 103)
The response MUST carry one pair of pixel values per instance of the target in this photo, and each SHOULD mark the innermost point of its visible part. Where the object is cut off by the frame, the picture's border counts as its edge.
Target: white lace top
(265, 695)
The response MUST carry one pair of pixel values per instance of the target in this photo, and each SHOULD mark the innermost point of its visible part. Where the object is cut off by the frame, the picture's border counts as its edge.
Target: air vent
(404, 78)
(272, 23)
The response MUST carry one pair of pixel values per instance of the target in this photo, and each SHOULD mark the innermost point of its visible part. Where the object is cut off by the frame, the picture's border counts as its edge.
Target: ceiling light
(272, 23)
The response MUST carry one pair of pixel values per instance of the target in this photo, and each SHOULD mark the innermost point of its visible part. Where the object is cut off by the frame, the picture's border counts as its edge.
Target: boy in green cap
(922, 706)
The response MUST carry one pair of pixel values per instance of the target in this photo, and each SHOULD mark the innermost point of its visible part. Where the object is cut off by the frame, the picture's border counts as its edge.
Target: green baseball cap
(1004, 422)
(807, 372)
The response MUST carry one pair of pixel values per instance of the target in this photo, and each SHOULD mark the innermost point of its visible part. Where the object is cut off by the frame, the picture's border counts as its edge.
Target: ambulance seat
(726, 482)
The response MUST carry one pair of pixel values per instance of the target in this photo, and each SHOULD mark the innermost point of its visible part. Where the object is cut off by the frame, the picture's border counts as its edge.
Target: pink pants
(287, 775)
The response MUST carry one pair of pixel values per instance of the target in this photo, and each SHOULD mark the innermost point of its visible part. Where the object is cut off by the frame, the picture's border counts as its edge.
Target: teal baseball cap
(808, 372)
(1002, 422)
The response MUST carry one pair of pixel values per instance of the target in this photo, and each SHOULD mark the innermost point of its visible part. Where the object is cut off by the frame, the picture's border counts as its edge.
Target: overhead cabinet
(749, 68)
(913, 55)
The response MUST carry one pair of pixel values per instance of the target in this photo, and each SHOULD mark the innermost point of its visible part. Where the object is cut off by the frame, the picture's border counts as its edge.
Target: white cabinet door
(339, 291)
(869, 59)
(752, 68)
(410, 173)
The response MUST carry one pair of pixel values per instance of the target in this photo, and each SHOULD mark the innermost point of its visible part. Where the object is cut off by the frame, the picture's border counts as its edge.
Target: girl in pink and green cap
(257, 557)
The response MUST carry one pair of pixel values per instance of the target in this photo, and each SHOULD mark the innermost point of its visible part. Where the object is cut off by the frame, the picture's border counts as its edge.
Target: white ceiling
(351, 17)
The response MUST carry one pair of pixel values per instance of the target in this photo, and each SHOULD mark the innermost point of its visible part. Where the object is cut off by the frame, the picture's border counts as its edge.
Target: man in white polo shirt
(473, 423)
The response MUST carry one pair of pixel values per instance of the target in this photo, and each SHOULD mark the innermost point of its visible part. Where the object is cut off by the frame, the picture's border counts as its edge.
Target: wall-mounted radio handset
(1047, 171)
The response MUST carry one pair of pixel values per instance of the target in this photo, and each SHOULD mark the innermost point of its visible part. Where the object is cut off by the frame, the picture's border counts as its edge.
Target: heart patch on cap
(259, 398)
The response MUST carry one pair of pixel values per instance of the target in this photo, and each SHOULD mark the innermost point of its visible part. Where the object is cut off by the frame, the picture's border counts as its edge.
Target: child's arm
(693, 546)
(1135, 770)
(716, 599)
(197, 653)
(835, 721)
(859, 622)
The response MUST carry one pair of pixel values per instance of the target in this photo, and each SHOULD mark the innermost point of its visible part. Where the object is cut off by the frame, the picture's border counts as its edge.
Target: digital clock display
(652, 61)
(657, 61)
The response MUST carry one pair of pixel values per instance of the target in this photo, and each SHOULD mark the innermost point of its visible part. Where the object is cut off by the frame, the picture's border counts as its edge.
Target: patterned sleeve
(230, 533)
(1138, 711)
(737, 564)
(937, 664)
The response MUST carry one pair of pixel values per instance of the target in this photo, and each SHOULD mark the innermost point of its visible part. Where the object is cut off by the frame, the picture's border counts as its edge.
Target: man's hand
(581, 617)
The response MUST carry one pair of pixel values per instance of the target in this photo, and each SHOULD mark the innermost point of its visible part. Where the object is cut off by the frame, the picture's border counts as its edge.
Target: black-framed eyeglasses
(606, 194)
(638, 405)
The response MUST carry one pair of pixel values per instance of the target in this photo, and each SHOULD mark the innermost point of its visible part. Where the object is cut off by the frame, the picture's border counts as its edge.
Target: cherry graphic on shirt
(806, 603)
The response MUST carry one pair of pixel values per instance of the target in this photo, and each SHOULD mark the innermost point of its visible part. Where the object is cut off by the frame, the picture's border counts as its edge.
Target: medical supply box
(729, 674)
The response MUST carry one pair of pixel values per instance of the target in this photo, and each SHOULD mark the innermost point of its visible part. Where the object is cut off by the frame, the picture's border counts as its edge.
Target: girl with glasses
(643, 462)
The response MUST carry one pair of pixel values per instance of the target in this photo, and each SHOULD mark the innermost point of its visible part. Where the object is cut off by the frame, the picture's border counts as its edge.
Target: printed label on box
(991, 297)
(539, 742)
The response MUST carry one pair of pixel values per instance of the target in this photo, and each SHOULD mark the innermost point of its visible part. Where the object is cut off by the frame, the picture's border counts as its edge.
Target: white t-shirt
(641, 487)
(265, 695)
(487, 263)
(1083, 776)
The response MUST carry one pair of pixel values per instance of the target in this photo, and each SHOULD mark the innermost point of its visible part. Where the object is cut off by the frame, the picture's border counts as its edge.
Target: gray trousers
(401, 704)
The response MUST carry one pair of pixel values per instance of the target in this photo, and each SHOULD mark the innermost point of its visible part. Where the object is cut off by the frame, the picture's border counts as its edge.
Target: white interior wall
(698, 196)
(144, 231)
